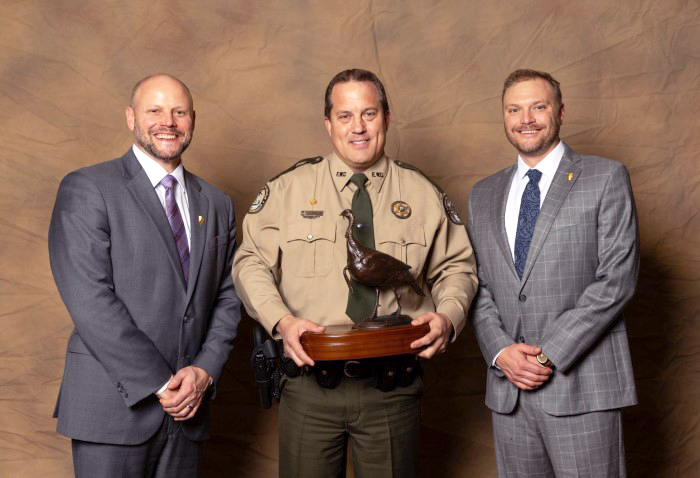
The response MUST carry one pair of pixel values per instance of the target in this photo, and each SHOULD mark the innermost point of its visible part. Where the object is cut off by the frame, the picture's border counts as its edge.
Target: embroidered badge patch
(450, 210)
(260, 201)
(401, 209)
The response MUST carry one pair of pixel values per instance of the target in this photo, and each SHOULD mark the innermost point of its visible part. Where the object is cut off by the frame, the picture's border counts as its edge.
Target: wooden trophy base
(359, 341)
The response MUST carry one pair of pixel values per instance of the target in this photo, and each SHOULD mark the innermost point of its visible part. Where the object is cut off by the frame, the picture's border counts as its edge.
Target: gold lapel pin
(201, 219)
(312, 201)
(570, 176)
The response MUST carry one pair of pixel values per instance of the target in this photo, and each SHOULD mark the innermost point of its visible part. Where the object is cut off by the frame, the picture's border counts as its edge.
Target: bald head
(158, 77)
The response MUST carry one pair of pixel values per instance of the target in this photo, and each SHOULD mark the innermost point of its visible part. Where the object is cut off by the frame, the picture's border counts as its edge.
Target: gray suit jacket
(581, 270)
(117, 269)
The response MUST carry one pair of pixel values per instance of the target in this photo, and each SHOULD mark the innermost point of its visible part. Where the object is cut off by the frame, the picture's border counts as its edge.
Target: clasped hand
(184, 393)
(518, 363)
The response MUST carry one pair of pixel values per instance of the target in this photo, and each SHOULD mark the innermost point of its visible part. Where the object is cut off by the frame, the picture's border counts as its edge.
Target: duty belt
(389, 372)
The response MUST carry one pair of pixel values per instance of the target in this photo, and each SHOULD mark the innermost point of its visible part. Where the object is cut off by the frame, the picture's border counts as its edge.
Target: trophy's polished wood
(343, 342)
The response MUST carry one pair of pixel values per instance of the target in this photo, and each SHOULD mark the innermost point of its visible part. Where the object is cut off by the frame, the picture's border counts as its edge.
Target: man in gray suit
(141, 252)
(556, 241)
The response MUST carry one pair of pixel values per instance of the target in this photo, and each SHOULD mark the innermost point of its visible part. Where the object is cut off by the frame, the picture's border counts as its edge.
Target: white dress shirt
(156, 173)
(548, 167)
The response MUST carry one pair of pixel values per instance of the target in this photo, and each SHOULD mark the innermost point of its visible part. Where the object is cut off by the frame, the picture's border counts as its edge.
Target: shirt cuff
(164, 387)
(493, 364)
(454, 311)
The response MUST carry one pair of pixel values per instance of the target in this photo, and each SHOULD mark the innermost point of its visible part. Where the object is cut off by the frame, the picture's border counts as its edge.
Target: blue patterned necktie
(176, 224)
(529, 210)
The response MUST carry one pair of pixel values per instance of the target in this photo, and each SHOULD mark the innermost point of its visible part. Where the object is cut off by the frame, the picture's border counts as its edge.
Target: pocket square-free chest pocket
(406, 244)
(309, 247)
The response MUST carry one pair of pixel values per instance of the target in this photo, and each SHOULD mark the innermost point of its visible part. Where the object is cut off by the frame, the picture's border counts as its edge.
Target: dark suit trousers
(168, 453)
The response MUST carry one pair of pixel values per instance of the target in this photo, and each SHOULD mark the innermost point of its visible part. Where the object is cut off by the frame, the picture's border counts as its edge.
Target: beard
(144, 140)
(540, 146)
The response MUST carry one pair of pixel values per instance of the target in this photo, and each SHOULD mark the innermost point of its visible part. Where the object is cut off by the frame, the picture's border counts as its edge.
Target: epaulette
(446, 202)
(264, 193)
(302, 162)
(401, 164)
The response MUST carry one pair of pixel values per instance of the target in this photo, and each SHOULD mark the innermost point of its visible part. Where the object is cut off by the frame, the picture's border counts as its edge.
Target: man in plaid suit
(556, 241)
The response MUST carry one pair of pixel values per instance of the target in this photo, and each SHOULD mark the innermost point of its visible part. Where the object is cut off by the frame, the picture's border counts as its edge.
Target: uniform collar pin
(201, 219)
(569, 176)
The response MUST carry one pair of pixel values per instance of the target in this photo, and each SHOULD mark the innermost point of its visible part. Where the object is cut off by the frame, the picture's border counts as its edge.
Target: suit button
(522, 298)
(187, 319)
(521, 339)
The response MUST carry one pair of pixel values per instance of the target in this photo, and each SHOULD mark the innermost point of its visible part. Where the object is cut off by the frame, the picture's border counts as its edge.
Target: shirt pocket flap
(403, 236)
(310, 230)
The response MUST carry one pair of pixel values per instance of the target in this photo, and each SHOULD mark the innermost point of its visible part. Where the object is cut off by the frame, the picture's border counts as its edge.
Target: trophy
(375, 336)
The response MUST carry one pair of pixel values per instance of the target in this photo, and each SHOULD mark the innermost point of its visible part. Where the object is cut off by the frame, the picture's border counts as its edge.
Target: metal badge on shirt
(311, 214)
(401, 209)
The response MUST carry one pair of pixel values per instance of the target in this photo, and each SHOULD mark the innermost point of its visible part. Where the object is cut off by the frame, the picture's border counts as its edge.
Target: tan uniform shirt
(293, 251)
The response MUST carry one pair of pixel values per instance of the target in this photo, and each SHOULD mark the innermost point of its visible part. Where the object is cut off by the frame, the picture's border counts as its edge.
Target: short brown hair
(524, 75)
(355, 74)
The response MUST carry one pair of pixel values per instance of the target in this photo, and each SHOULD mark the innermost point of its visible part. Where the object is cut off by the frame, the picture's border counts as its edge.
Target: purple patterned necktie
(176, 224)
(529, 210)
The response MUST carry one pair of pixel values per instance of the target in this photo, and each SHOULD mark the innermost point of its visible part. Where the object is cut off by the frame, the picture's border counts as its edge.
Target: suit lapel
(499, 216)
(199, 204)
(144, 194)
(564, 179)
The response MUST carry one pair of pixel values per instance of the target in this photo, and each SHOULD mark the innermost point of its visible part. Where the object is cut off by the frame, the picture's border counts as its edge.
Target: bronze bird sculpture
(375, 269)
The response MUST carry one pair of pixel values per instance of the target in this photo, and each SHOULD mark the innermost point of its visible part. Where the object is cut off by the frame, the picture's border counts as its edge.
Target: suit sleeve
(225, 315)
(451, 271)
(485, 317)
(571, 335)
(79, 251)
(257, 262)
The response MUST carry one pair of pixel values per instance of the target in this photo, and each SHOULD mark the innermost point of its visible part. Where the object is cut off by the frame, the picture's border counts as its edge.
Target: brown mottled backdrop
(630, 72)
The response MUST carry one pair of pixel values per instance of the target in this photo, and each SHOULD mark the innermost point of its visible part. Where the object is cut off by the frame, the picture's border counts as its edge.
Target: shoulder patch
(260, 201)
(450, 210)
(315, 160)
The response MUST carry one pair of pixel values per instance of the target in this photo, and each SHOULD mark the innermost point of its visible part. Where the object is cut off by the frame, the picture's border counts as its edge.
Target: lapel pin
(312, 201)
(570, 176)
(201, 219)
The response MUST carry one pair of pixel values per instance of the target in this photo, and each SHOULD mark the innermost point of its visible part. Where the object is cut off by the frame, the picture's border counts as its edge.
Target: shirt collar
(155, 171)
(342, 173)
(548, 166)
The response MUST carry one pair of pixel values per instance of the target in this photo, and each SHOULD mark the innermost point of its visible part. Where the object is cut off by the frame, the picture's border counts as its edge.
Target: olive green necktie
(361, 300)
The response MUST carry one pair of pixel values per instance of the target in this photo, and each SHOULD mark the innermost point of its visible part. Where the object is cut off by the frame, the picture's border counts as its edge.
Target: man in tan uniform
(289, 274)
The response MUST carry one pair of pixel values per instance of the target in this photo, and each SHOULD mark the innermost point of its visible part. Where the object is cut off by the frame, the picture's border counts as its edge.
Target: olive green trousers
(316, 425)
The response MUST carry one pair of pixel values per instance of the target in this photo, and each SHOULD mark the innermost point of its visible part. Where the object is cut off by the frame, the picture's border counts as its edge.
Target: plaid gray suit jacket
(581, 270)
(117, 269)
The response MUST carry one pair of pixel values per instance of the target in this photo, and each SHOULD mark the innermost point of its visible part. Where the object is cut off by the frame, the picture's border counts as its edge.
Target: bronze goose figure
(374, 268)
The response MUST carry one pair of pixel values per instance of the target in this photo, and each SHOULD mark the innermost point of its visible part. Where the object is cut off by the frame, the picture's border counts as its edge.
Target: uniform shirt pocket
(406, 243)
(309, 247)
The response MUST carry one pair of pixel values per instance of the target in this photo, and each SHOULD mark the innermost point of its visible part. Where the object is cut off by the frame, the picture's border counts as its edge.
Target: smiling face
(532, 117)
(162, 119)
(357, 124)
